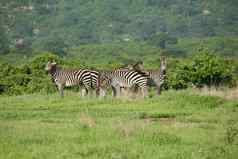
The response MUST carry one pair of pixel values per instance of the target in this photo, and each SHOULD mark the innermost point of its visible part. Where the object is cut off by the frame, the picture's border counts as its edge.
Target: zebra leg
(102, 92)
(90, 92)
(126, 91)
(144, 92)
(97, 91)
(122, 91)
(158, 89)
(61, 90)
(116, 91)
(135, 91)
(84, 92)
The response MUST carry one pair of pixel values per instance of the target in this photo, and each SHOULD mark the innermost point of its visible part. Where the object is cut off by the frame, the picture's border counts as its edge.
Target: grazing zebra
(123, 78)
(72, 77)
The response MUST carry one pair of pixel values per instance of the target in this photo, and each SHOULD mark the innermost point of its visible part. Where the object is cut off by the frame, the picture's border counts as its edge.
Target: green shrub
(202, 69)
(39, 62)
(28, 78)
(43, 84)
(177, 76)
(209, 69)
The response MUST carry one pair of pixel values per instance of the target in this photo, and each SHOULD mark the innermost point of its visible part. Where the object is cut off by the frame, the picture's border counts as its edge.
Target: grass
(178, 124)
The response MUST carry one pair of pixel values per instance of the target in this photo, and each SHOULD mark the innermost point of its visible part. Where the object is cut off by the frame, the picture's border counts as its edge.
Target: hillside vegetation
(178, 26)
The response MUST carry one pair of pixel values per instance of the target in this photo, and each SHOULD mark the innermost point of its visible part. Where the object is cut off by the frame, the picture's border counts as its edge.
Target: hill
(58, 25)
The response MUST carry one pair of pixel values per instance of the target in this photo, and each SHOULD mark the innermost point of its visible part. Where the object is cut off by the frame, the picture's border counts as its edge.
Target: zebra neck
(153, 73)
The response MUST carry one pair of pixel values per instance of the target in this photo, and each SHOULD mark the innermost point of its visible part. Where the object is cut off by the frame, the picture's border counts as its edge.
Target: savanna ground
(178, 124)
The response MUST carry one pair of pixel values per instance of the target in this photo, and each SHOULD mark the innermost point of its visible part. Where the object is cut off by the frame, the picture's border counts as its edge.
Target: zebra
(72, 77)
(123, 78)
(156, 76)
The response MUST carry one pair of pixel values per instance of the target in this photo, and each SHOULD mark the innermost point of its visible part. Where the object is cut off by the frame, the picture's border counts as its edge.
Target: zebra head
(138, 66)
(50, 66)
(125, 67)
(162, 66)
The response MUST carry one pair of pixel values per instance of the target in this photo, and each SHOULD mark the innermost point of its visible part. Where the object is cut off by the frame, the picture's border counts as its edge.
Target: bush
(178, 75)
(39, 62)
(202, 69)
(28, 78)
(211, 70)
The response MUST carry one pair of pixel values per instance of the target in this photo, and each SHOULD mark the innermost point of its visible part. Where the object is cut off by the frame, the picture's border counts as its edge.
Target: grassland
(178, 124)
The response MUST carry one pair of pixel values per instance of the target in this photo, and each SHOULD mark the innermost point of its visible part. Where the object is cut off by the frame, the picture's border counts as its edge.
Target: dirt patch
(167, 121)
(87, 120)
(128, 128)
(162, 118)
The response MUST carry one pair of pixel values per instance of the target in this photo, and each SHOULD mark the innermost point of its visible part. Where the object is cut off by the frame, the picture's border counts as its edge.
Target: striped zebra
(156, 76)
(123, 78)
(72, 77)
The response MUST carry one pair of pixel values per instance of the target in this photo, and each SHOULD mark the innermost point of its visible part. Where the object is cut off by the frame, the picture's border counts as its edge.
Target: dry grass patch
(167, 121)
(87, 120)
(227, 93)
(129, 128)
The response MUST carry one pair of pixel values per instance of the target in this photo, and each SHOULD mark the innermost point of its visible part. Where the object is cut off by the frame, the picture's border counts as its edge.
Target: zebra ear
(163, 63)
(138, 66)
(163, 59)
(129, 66)
(54, 63)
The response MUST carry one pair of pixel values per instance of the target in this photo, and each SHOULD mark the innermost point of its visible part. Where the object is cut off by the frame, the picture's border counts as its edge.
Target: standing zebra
(123, 78)
(156, 76)
(72, 77)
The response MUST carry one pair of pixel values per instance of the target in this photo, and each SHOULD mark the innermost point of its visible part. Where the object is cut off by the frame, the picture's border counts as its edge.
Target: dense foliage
(28, 78)
(203, 69)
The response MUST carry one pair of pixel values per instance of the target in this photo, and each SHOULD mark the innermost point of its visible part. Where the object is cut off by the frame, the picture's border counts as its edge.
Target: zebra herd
(132, 77)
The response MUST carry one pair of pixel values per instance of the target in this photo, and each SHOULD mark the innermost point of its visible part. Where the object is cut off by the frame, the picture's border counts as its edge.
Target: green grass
(175, 125)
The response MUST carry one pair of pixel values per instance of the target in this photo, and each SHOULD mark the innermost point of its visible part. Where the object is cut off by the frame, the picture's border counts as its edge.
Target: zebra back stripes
(94, 78)
(156, 76)
(72, 77)
(123, 79)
